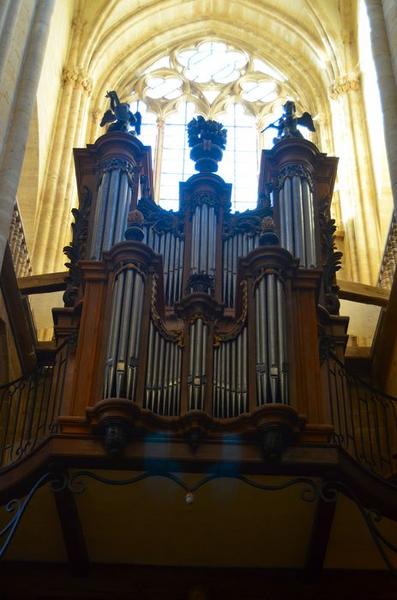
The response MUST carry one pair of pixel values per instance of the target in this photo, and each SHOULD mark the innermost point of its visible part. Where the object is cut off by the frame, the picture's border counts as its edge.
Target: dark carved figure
(120, 116)
(287, 125)
(199, 130)
(207, 140)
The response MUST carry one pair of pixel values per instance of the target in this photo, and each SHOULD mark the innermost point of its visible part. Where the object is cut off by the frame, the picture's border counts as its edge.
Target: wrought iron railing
(389, 260)
(29, 407)
(365, 420)
(18, 246)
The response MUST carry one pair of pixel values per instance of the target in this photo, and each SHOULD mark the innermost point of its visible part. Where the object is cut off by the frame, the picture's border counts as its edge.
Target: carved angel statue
(120, 116)
(287, 125)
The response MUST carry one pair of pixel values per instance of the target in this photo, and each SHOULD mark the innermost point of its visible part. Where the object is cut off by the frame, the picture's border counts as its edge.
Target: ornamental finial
(207, 140)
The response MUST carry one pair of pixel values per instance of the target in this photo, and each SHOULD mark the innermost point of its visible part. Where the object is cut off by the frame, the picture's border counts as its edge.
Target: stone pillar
(56, 202)
(357, 178)
(18, 129)
(386, 78)
(390, 14)
(8, 15)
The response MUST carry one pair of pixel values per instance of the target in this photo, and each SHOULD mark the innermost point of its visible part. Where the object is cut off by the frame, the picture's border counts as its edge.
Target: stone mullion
(387, 84)
(158, 157)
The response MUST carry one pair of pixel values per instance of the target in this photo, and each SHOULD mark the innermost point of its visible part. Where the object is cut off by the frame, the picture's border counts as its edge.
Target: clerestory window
(220, 82)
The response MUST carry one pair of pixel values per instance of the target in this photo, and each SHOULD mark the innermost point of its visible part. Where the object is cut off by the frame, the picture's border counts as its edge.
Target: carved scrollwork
(248, 222)
(292, 171)
(332, 262)
(171, 336)
(77, 249)
(123, 165)
(161, 220)
(241, 321)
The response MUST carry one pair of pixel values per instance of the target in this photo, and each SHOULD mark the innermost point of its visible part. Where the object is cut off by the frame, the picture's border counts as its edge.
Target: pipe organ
(200, 311)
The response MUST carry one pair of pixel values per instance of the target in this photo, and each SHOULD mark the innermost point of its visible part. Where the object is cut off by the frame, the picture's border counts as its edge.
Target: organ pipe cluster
(197, 353)
(112, 206)
(202, 259)
(230, 377)
(124, 335)
(271, 347)
(163, 376)
(296, 214)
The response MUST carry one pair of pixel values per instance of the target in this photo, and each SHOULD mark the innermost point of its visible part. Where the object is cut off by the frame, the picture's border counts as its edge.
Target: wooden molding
(42, 284)
(363, 293)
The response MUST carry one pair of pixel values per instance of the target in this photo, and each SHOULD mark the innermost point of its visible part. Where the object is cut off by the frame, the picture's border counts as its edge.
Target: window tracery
(220, 82)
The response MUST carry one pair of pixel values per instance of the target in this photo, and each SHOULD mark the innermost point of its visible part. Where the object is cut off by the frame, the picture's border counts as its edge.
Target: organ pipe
(124, 335)
(111, 211)
(163, 375)
(235, 246)
(230, 377)
(173, 246)
(271, 348)
(296, 215)
(197, 364)
(203, 246)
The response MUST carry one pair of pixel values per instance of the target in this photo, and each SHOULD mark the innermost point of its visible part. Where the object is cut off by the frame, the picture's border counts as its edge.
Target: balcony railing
(389, 260)
(29, 407)
(18, 246)
(364, 419)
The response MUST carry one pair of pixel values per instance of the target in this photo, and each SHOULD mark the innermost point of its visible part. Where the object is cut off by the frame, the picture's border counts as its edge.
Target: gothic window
(220, 82)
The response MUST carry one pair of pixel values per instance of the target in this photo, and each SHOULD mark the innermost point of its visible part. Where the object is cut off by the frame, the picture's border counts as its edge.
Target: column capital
(344, 84)
(78, 77)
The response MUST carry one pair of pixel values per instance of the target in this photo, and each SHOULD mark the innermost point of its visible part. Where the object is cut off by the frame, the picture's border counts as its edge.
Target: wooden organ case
(201, 323)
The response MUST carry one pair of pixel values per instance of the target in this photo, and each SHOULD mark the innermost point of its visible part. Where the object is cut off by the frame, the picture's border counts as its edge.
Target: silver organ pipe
(296, 213)
(111, 211)
(271, 347)
(239, 244)
(163, 375)
(171, 246)
(202, 256)
(197, 366)
(230, 377)
(308, 212)
(124, 335)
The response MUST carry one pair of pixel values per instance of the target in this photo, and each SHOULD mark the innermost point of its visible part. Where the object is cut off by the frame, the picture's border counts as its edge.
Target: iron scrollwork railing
(29, 407)
(365, 420)
(312, 491)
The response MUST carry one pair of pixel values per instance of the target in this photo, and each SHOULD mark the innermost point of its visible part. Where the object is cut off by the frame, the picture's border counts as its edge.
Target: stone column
(56, 202)
(18, 130)
(8, 15)
(386, 78)
(390, 14)
(356, 175)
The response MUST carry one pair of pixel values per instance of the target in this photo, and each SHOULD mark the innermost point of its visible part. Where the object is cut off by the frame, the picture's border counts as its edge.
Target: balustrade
(18, 246)
(389, 259)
